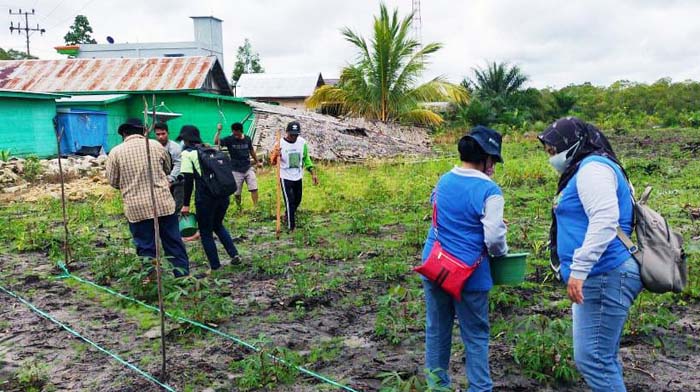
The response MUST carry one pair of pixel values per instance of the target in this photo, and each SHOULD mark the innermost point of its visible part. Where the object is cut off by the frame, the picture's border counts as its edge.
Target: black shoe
(236, 260)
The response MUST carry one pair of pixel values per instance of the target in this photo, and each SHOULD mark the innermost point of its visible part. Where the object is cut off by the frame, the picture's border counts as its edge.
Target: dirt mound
(76, 190)
(340, 139)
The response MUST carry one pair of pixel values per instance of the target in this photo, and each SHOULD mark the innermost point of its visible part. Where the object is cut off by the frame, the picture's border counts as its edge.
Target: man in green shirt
(293, 153)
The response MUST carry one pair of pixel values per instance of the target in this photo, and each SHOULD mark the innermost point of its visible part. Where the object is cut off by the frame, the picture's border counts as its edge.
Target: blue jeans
(473, 315)
(598, 324)
(210, 219)
(143, 234)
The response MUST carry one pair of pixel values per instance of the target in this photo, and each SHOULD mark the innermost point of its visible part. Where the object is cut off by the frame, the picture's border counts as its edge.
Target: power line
(53, 10)
(73, 14)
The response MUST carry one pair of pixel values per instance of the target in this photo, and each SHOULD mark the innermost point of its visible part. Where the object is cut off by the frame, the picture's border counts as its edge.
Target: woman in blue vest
(470, 226)
(593, 199)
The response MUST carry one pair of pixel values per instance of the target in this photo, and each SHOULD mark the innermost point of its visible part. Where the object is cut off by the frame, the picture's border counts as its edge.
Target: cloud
(556, 43)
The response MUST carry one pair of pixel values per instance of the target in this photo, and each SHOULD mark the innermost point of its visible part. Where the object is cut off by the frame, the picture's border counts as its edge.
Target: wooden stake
(66, 243)
(156, 227)
(278, 137)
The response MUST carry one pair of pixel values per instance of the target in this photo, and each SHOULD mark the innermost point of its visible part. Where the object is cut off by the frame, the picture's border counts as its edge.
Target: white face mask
(560, 161)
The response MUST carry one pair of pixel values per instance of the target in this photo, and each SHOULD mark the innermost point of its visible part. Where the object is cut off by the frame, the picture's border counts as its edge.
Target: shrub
(544, 349)
(32, 169)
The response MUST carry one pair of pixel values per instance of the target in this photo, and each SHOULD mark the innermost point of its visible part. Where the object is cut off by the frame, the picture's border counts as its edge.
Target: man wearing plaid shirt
(127, 171)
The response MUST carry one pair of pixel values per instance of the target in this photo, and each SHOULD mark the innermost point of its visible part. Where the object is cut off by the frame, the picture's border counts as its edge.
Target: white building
(290, 90)
(208, 41)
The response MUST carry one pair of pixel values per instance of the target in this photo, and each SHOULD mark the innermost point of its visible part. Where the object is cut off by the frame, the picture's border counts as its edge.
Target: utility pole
(26, 27)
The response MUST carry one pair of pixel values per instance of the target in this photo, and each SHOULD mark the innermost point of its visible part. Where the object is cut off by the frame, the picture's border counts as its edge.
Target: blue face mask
(561, 160)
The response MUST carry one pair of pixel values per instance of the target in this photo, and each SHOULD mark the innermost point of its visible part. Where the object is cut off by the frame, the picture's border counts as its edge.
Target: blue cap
(489, 140)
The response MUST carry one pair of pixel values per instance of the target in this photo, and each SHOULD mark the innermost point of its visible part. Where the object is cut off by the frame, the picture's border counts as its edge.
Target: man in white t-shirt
(293, 153)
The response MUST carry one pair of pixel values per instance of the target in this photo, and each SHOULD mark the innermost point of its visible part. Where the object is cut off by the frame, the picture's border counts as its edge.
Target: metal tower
(417, 22)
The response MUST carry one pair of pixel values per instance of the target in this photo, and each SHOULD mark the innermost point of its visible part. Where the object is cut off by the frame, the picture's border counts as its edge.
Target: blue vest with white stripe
(461, 202)
(572, 223)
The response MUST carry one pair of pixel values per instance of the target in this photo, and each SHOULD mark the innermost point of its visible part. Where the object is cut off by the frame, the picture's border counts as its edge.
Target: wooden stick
(278, 137)
(156, 228)
(66, 243)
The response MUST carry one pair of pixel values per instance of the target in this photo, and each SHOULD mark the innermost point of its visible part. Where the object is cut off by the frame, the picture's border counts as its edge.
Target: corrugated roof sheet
(99, 98)
(28, 94)
(263, 85)
(113, 75)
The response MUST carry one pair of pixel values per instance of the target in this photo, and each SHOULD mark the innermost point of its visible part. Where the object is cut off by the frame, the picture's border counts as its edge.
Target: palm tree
(381, 84)
(497, 80)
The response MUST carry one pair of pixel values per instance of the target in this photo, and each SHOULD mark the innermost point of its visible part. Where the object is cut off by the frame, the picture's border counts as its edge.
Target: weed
(32, 375)
(648, 313)
(398, 382)
(398, 314)
(32, 169)
(261, 371)
(543, 348)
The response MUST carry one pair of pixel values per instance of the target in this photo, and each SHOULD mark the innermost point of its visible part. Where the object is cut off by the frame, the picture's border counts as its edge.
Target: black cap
(294, 128)
(130, 124)
(489, 140)
(189, 133)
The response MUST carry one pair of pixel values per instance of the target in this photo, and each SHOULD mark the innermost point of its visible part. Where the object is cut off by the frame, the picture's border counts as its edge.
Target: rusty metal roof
(111, 74)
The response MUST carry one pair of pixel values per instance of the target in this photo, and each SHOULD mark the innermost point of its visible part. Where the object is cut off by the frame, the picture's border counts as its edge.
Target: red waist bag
(444, 269)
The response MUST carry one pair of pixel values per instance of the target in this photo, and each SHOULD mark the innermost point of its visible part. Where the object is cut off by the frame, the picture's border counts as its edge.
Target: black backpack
(217, 172)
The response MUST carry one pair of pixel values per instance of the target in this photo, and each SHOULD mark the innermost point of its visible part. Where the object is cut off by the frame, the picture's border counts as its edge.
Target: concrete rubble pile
(14, 172)
(340, 139)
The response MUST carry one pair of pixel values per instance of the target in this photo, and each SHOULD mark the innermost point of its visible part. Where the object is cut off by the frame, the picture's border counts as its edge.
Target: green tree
(14, 55)
(498, 80)
(79, 32)
(382, 84)
(247, 61)
(498, 89)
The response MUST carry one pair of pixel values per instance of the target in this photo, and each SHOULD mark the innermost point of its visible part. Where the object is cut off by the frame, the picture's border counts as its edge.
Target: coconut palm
(382, 83)
(498, 80)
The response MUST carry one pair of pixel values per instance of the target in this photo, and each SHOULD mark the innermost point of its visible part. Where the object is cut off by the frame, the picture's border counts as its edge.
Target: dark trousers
(292, 192)
(210, 219)
(177, 189)
(143, 234)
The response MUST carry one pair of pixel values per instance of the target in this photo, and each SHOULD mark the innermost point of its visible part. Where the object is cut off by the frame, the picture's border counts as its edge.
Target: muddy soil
(666, 361)
(75, 366)
(663, 360)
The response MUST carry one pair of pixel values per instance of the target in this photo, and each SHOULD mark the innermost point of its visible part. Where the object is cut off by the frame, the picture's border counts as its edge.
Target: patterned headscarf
(565, 133)
(562, 135)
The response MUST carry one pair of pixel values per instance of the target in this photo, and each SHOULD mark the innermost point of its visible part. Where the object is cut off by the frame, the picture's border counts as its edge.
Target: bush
(32, 169)
(544, 349)
(33, 376)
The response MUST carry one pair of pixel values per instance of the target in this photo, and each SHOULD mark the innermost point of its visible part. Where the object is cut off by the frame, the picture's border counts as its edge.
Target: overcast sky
(554, 42)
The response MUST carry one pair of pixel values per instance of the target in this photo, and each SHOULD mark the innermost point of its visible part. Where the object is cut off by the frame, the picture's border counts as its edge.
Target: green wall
(202, 112)
(26, 126)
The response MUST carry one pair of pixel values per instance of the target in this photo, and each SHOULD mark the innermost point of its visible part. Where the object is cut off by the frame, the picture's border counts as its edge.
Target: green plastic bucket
(509, 269)
(188, 225)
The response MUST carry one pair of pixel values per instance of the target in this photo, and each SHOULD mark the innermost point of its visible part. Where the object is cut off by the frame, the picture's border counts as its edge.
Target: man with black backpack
(211, 173)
